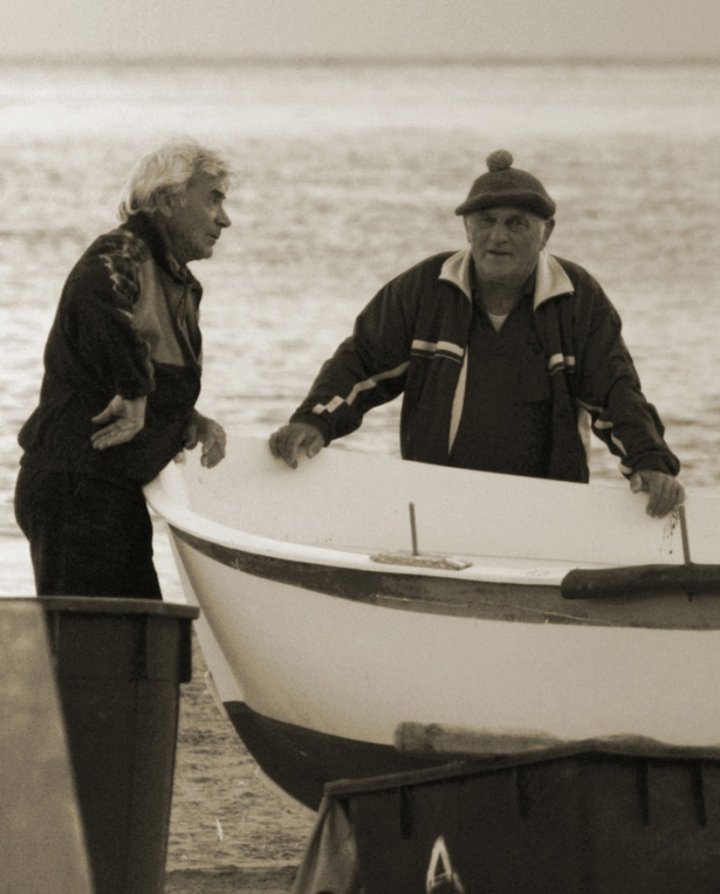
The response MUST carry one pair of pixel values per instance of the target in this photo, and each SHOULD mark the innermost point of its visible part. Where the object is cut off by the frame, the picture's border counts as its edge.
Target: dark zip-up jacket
(126, 323)
(412, 337)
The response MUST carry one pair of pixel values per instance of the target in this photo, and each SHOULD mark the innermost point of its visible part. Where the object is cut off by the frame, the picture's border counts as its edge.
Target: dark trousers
(88, 537)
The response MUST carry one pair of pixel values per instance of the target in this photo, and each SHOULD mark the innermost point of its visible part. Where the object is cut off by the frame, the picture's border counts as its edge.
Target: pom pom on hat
(499, 160)
(503, 184)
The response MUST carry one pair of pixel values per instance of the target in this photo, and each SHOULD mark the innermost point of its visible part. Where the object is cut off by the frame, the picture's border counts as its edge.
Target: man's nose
(498, 233)
(223, 220)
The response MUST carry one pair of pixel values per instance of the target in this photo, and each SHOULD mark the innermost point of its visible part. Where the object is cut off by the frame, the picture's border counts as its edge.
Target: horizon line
(338, 59)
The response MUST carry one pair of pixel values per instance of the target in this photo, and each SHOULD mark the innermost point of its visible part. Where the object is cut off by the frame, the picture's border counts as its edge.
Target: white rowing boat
(533, 612)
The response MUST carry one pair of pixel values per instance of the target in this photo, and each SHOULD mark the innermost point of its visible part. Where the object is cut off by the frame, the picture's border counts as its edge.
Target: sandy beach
(229, 830)
(246, 880)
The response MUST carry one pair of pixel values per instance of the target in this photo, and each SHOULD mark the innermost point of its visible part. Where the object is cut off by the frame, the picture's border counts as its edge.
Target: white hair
(167, 172)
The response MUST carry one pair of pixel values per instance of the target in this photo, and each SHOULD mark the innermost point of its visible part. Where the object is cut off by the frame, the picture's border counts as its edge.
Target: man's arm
(366, 370)
(97, 311)
(621, 416)
(99, 303)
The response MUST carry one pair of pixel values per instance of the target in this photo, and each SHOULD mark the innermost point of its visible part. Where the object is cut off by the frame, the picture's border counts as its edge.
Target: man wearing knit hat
(501, 351)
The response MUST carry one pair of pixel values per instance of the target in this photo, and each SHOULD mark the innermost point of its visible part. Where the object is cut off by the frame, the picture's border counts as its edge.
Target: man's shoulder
(578, 275)
(117, 248)
(111, 263)
(587, 300)
(433, 262)
(427, 269)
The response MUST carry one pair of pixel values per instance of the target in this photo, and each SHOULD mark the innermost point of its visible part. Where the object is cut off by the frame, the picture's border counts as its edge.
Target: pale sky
(671, 29)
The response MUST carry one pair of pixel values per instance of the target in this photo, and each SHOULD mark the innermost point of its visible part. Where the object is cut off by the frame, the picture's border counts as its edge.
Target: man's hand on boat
(288, 441)
(125, 419)
(205, 431)
(665, 493)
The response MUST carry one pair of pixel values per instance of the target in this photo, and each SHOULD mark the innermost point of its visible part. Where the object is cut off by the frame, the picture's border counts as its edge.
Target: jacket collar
(550, 278)
(144, 226)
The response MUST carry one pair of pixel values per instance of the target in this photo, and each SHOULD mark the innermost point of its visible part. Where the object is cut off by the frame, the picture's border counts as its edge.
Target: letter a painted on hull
(441, 877)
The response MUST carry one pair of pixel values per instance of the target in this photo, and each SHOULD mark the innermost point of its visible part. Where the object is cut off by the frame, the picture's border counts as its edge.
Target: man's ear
(165, 204)
(549, 227)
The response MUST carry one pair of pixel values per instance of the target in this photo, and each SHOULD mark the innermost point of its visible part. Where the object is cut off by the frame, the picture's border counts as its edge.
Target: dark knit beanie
(505, 185)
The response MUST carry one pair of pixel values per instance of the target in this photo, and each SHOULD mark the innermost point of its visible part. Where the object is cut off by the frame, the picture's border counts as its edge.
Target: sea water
(347, 174)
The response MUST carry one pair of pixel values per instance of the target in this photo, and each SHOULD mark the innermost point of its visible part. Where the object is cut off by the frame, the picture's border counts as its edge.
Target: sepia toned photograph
(360, 490)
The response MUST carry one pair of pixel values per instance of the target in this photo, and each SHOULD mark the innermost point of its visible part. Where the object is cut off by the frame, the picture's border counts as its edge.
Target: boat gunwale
(467, 598)
(487, 589)
(489, 569)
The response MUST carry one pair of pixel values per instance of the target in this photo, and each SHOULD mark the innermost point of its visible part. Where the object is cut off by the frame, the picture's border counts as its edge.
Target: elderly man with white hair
(122, 375)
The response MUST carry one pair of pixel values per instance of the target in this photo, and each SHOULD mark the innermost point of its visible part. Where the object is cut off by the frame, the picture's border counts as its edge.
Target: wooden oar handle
(641, 580)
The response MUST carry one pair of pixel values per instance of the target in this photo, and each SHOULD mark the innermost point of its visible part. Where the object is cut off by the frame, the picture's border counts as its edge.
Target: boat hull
(319, 654)
(302, 761)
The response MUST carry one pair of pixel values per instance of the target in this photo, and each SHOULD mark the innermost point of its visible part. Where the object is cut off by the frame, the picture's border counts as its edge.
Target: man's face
(505, 243)
(193, 222)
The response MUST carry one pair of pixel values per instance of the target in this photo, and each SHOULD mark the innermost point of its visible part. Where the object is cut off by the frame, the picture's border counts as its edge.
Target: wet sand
(229, 830)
